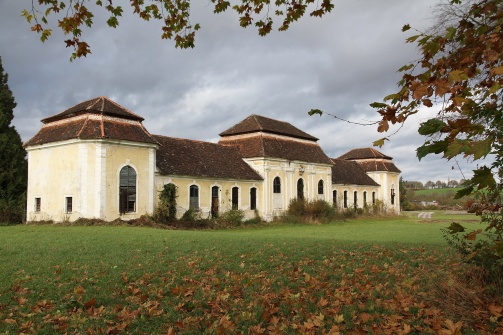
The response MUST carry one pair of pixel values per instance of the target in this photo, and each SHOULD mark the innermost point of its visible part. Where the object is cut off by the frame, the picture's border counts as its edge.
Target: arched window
(345, 199)
(373, 198)
(215, 190)
(253, 198)
(194, 197)
(235, 197)
(355, 199)
(364, 198)
(334, 197)
(300, 188)
(392, 194)
(320, 187)
(276, 185)
(127, 190)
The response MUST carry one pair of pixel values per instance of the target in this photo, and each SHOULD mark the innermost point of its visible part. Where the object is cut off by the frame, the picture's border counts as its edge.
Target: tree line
(418, 185)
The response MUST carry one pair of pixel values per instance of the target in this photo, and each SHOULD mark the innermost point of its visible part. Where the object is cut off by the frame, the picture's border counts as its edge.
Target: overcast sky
(340, 64)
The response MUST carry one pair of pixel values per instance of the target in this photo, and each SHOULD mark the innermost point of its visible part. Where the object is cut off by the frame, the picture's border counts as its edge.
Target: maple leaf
(452, 328)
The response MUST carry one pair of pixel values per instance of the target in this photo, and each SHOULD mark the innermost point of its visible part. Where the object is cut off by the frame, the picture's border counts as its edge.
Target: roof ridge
(188, 139)
(120, 106)
(83, 126)
(257, 121)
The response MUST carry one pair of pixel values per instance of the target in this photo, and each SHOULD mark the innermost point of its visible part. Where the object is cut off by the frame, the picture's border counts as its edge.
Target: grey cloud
(340, 63)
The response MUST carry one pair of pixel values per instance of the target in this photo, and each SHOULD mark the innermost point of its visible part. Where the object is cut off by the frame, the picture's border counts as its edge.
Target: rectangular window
(69, 204)
(38, 204)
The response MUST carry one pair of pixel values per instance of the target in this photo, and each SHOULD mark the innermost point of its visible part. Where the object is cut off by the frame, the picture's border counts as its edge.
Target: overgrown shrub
(483, 247)
(316, 211)
(255, 220)
(12, 211)
(231, 218)
(166, 211)
(190, 215)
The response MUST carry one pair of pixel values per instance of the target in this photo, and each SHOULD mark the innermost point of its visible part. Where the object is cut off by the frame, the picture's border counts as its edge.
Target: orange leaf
(383, 126)
(90, 303)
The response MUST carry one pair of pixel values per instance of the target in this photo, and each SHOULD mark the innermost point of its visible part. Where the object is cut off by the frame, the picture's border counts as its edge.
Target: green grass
(369, 276)
(436, 191)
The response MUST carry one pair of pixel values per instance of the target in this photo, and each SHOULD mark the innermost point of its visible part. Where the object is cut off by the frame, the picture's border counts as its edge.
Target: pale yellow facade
(68, 180)
(96, 160)
(205, 195)
(289, 173)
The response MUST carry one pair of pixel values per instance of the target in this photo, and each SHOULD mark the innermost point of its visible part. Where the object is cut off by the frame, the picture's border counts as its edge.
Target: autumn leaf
(452, 328)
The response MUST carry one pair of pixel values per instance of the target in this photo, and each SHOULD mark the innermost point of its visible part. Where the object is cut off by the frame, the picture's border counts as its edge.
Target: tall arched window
(334, 197)
(320, 187)
(300, 188)
(345, 199)
(276, 185)
(127, 190)
(253, 198)
(355, 199)
(235, 197)
(364, 198)
(194, 197)
(373, 198)
(215, 190)
(392, 194)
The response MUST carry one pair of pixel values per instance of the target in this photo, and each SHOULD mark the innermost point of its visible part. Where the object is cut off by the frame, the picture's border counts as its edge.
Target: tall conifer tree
(13, 164)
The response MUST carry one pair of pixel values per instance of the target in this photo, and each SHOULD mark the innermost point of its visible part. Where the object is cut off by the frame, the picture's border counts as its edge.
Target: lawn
(372, 276)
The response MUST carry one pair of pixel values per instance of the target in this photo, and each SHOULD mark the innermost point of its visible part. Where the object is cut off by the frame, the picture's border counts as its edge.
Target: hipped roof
(346, 172)
(371, 160)
(91, 127)
(182, 157)
(100, 106)
(274, 147)
(257, 123)
(363, 153)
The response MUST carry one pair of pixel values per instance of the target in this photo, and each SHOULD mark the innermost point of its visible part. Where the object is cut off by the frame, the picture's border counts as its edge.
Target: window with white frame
(127, 190)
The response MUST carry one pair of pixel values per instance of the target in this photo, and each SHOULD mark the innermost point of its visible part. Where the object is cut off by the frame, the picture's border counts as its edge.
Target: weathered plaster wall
(205, 185)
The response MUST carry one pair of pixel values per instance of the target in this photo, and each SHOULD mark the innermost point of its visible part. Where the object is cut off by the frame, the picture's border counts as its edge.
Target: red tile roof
(371, 160)
(379, 165)
(256, 123)
(99, 105)
(347, 172)
(177, 156)
(91, 127)
(363, 153)
(274, 147)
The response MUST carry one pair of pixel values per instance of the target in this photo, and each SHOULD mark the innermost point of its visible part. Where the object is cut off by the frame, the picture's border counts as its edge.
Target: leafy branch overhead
(73, 15)
(460, 74)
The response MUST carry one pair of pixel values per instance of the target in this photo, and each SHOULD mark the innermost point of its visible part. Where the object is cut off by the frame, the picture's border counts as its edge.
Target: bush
(232, 218)
(189, 216)
(12, 211)
(316, 211)
(166, 211)
(255, 220)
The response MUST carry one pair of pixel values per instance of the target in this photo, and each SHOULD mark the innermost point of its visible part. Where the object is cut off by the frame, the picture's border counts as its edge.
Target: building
(97, 160)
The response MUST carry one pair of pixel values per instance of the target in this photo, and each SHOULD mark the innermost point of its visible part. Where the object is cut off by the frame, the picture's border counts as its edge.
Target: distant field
(436, 191)
(359, 276)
